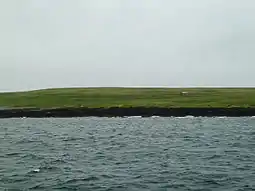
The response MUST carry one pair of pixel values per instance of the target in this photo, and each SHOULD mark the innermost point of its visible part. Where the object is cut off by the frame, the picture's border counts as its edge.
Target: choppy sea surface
(175, 154)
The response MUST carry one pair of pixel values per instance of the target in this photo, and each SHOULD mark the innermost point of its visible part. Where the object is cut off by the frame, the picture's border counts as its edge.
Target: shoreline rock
(123, 112)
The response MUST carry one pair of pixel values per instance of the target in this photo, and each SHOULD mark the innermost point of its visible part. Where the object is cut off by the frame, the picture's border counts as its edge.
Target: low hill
(130, 97)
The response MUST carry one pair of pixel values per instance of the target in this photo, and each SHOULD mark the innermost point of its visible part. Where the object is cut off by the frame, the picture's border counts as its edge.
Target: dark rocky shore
(122, 112)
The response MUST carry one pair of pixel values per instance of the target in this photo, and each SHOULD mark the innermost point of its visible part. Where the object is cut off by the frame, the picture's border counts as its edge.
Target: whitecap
(186, 117)
(190, 116)
(155, 116)
(36, 170)
(130, 117)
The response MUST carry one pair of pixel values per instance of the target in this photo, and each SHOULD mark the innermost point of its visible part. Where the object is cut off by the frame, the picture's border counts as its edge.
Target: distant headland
(120, 102)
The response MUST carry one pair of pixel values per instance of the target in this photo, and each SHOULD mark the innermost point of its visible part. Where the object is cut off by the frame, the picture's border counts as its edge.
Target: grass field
(127, 97)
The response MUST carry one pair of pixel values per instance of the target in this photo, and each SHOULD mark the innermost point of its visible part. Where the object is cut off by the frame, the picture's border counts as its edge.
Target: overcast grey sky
(66, 43)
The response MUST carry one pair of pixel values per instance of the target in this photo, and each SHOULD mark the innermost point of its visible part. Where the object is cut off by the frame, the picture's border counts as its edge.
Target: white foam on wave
(155, 116)
(36, 170)
(130, 117)
(223, 117)
(186, 117)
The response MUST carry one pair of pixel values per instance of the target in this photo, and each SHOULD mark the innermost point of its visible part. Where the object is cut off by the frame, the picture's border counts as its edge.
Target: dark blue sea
(122, 154)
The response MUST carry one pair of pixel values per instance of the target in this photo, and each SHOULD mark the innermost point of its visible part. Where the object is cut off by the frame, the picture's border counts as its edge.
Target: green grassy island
(131, 97)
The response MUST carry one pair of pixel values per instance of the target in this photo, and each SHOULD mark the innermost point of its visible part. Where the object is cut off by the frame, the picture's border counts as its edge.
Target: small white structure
(184, 93)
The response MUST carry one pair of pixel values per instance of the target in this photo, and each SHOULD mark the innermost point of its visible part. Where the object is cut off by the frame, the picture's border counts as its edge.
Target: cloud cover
(80, 43)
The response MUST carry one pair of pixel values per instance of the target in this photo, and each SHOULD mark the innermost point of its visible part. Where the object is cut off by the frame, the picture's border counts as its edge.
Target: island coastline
(126, 112)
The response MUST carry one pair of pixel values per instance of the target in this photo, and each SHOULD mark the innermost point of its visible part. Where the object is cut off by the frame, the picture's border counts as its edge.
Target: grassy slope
(125, 97)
